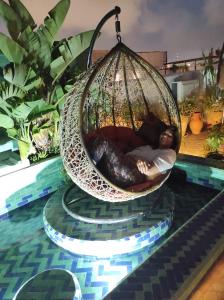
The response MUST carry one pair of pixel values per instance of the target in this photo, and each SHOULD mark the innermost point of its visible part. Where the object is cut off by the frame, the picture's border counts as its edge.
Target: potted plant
(213, 100)
(190, 111)
(196, 120)
(215, 140)
(34, 82)
(213, 110)
(185, 108)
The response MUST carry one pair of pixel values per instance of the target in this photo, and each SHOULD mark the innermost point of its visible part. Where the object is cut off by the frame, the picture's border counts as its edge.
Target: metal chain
(118, 28)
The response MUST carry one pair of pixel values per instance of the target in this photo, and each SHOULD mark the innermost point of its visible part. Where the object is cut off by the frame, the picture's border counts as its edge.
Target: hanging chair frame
(141, 61)
(116, 11)
(115, 193)
(120, 45)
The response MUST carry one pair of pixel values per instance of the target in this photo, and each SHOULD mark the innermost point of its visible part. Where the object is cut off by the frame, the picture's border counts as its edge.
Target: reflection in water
(54, 284)
(130, 164)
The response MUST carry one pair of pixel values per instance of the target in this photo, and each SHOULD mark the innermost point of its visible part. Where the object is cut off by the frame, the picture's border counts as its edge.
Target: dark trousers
(119, 168)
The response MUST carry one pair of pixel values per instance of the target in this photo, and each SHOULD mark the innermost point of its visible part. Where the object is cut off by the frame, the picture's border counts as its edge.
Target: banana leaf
(54, 20)
(16, 74)
(31, 110)
(22, 12)
(37, 47)
(9, 91)
(70, 49)
(45, 125)
(21, 112)
(12, 20)
(22, 76)
(33, 82)
(25, 148)
(11, 49)
(3, 61)
(6, 122)
(5, 107)
(40, 109)
(56, 116)
(39, 43)
(12, 133)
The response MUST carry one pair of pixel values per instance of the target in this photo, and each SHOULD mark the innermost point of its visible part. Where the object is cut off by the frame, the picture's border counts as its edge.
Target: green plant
(210, 104)
(189, 105)
(34, 82)
(209, 71)
(213, 96)
(213, 100)
(215, 138)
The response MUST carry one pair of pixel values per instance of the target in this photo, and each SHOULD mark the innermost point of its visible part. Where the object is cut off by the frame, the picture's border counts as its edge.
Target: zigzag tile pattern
(22, 220)
(164, 274)
(92, 207)
(53, 284)
(105, 240)
(96, 276)
(33, 252)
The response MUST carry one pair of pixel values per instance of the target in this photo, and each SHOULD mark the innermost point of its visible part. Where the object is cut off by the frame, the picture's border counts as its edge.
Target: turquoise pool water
(26, 250)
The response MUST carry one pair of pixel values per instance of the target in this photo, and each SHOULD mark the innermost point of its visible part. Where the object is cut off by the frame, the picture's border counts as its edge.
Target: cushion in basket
(151, 129)
(123, 137)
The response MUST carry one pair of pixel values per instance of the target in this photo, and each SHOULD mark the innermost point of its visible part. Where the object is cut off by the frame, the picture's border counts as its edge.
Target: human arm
(148, 169)
(163, 161)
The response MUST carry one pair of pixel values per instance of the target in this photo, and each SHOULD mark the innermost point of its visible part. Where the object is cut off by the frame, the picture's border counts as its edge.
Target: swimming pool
(26, 250)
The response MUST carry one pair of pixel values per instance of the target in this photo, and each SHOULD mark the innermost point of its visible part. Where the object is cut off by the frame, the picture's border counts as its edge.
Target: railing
(180, 66)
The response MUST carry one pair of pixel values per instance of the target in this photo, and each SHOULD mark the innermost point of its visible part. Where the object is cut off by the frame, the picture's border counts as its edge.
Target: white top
(163, 159)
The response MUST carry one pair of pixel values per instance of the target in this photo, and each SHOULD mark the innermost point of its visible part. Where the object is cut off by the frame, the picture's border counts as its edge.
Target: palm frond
(69, 50)
(23, 13)
(11, 49)
(11, 19)
(54, 20)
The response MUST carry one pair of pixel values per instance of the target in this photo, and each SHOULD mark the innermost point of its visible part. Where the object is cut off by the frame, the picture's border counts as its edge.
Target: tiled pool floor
(26, 250)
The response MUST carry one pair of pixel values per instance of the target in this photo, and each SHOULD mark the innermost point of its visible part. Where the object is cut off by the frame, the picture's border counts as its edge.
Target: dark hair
(175, 133)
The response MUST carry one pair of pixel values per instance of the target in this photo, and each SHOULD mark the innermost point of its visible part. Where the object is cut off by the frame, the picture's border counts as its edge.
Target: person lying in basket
(141, 164)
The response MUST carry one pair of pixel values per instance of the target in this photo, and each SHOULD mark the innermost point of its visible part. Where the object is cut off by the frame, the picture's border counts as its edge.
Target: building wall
(184, 84)
(156, 58)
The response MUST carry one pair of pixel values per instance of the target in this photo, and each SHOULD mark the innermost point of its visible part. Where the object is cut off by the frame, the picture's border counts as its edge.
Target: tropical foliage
(189, 105)
(215, 140)
(214, 97)
(35, 81)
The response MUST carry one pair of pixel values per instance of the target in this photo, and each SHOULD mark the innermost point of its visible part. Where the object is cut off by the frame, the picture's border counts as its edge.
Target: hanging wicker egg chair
(116, 92)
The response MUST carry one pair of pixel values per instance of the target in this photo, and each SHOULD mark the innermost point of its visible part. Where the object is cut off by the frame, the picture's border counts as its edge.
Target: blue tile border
(205, 175)
(76, 237)
(33, 183)
(27, 197)
(22, 259)
(174, 270)
(44, 184)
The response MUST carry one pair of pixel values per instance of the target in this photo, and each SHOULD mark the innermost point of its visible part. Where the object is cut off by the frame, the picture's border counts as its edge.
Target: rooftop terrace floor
(194, 144)
(212, 285)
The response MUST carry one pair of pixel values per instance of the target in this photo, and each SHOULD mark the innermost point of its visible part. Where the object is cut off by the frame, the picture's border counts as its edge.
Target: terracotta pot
(184, 123)
(213, 117)
(196, 123)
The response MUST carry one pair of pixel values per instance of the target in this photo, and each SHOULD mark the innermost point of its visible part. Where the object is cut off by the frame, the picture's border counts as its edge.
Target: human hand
(143, 167)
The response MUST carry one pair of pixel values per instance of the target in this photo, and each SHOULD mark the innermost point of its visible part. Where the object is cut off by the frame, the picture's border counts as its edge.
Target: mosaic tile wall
(26, 185)
(203, 175)
(107, 240)
(26, 250)
(178, 266)
(35, 253)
